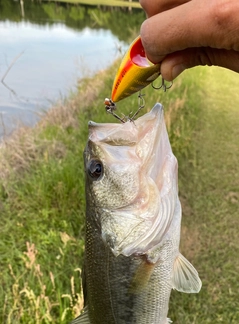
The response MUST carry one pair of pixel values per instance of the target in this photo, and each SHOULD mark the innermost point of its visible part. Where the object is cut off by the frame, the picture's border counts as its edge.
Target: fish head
(111, 165)
(130, 169)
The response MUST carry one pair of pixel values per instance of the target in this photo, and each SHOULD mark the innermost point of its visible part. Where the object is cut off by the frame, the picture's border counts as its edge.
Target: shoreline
(43, 203)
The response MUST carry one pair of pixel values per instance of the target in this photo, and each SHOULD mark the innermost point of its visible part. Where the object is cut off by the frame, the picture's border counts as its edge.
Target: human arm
(183, 34)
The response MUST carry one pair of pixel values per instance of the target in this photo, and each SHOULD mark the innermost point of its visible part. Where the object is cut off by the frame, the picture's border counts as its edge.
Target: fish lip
(114, 134)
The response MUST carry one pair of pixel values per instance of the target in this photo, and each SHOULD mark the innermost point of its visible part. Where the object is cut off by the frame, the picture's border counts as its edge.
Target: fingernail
(177, 69)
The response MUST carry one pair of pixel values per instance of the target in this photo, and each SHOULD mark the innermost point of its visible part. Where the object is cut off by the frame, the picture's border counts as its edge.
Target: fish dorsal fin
(185, 277)
(83, 318)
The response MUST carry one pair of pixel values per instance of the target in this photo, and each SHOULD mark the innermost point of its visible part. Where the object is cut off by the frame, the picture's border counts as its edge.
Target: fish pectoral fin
(141, 277)
(185, 277)
(82, 319)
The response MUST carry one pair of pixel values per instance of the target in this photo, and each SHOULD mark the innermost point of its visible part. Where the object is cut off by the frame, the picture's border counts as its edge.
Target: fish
(134, 73)
(133, 218)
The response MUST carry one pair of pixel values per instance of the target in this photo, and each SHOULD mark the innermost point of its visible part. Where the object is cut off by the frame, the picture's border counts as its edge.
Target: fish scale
(133, 220)
(115, 274)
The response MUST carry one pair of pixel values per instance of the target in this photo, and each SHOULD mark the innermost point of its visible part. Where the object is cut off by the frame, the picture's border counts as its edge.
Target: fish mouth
(140, 225)
(147, 136)
(159, 187)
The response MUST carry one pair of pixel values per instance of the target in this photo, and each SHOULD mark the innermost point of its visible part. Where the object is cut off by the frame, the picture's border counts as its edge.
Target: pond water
(46, 47)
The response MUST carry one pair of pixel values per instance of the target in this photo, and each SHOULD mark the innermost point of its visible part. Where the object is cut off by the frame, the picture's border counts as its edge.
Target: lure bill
(135, 72)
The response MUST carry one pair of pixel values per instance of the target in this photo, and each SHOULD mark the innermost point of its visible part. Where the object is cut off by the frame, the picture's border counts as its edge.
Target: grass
(210, 187)
(42, 199)
(112, 3)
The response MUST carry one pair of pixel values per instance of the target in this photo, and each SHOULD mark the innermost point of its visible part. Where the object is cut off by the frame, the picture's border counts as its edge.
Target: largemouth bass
(133, 218)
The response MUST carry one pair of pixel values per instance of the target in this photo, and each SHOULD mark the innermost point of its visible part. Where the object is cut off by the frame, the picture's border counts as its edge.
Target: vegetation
(42, 199)
(120, 21)
(111, 3)
(209, 187)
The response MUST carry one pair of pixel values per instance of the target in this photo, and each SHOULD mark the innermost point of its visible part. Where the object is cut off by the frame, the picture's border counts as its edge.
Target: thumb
(175, 63)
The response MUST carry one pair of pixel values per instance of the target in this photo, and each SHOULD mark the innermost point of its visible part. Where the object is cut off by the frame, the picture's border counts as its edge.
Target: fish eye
(95, 169)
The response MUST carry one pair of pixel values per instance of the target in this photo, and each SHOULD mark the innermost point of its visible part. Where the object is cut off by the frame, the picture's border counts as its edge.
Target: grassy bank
(210, 189)
(42, 200)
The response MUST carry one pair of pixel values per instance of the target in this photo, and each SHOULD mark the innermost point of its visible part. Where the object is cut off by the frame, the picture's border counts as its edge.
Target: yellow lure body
(135, 72)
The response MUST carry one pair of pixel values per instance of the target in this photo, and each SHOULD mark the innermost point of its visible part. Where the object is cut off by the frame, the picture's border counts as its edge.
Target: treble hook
(141, 103)
(163, 85)
(110, 107)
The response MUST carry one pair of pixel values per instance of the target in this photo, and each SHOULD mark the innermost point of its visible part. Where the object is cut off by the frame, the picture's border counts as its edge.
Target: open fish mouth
(142, 171)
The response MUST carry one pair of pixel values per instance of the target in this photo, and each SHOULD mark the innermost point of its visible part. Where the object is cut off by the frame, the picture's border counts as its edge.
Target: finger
(193, 24)
(176, 63)
(153, 7)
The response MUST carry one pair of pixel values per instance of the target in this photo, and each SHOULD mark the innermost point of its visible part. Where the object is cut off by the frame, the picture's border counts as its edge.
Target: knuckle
(151, 7)
(145, 4)
(224, 15)
(222, 12)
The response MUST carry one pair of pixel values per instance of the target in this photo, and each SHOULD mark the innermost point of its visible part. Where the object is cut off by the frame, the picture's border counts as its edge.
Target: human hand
(187, 33)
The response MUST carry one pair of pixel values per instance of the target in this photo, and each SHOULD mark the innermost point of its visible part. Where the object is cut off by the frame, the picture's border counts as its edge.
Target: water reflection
(60, 44)
(53, 58)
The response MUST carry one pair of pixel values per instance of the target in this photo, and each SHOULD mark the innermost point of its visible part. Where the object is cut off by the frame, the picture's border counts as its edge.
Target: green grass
(210, 187)
(42, 199)
(112, 3)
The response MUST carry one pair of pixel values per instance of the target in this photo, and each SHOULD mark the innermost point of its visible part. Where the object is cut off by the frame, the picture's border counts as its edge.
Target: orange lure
(135, 72)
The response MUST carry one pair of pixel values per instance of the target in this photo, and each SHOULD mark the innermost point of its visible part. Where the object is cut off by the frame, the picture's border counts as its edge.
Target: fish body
(135, 72)
(133, 217)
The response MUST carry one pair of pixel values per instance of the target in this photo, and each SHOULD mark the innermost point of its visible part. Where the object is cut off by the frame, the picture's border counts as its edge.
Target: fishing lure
(135, 73)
